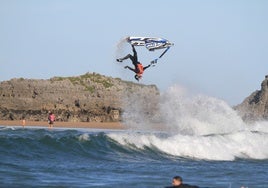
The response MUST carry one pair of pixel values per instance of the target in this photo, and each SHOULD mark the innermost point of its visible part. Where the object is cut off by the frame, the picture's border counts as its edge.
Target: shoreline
(60, 124)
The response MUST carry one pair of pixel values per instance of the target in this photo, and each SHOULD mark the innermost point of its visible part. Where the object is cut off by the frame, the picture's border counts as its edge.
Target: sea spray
(197, 114)
(121, 47)
(259, 126)
(140, 109)
(179, 111)
(121, 50)
(193, 126)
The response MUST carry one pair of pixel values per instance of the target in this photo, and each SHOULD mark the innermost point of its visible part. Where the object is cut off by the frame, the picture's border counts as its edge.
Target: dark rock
(255, 106)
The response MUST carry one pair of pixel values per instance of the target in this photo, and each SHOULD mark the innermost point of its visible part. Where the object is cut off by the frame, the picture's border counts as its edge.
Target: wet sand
(93, 125)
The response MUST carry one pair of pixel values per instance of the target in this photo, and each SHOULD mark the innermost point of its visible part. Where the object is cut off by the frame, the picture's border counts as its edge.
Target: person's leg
(127, 67)
(129, 56)
(134, 58)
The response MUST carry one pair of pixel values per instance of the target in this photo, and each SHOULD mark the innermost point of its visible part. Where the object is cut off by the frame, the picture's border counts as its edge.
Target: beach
(60, 124)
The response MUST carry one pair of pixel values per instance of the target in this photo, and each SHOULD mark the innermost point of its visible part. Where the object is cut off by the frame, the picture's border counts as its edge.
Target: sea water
(202, 140)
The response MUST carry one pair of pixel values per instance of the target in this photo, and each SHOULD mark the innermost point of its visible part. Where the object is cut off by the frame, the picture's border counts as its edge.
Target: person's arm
(146, 67)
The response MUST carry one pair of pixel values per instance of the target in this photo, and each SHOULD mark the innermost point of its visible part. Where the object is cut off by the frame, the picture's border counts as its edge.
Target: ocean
(34, 157)
(202, 139)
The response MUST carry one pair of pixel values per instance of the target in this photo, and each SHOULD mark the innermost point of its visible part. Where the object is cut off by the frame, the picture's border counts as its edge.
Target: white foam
(200, 127)
(83, 137)
(228, 147)
(260, 126)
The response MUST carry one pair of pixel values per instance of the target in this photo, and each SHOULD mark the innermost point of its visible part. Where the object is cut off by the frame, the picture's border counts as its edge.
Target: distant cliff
(255, 107)
(88, 98)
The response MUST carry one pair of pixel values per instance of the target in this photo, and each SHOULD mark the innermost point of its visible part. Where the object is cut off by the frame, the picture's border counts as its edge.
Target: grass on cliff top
(81, 80)
(106, 82)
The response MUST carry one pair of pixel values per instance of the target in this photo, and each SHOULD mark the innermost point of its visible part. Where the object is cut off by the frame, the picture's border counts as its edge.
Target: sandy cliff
(87, 98)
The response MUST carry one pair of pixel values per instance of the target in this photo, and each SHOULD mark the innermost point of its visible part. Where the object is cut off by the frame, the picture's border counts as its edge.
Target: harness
(139, 69)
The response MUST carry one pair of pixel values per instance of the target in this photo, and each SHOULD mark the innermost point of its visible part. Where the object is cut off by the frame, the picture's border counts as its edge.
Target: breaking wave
(199, 127)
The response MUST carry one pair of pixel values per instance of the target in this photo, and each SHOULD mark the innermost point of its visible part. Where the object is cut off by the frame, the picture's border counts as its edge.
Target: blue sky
(221, 46)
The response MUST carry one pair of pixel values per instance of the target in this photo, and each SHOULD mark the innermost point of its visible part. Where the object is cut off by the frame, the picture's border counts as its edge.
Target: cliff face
(89, 97)
(255, 107)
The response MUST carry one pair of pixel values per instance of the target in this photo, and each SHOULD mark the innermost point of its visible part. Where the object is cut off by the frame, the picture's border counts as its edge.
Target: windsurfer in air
(139, 69)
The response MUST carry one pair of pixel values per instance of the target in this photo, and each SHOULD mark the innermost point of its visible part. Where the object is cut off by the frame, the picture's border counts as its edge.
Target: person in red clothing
(139, 69)
(51, 119)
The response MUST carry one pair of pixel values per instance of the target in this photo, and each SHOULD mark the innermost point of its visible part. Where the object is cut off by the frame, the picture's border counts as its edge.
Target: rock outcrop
(255, 107)
(88, 98)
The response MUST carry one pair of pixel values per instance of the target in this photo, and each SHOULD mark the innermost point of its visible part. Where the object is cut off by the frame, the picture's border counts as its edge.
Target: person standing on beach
(51, 119)
(178, 183)
(23, 122)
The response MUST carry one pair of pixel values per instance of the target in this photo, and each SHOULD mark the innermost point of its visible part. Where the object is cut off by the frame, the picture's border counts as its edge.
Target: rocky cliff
(88, 98)
(255, 107)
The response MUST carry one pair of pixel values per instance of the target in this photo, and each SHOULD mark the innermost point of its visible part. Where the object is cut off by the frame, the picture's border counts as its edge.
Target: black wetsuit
(183, 186)
(134, 59)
